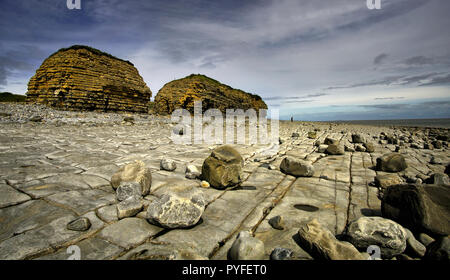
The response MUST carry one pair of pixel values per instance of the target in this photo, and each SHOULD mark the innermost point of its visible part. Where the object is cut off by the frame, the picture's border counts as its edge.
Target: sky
(313, 60)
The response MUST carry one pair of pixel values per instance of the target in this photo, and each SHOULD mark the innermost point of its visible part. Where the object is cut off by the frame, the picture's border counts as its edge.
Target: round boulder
(133, 172)
(297, 168)
(223, 168)
(393, 162)
(246, 247)
(177, 210)
(384, 233)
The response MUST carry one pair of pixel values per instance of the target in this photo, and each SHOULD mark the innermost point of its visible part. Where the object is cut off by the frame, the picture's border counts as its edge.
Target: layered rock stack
(184, 92)
(83, 78)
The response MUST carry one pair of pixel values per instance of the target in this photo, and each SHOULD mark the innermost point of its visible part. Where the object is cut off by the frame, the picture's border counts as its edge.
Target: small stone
(335, 149)
(349, 148)
(357, 138)
(360, 148)
(436, 160)
(295, 135)
(322, 148)
(280, 254)
(168, 165)
(312, 135)
(128, 120)
(204, 184)
(129, 207)
(79, 224)
(246, 247)
(36, 119)
(127, 190)
(277, 222)
(297, 168)
(192, 172)
(370, 147)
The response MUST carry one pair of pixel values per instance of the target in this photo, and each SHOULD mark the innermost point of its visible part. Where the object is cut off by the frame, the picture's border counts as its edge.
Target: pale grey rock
(127, 190)
(129, 207)
(297, 168)
(246, 247)
(133, 172)
(177, 210)
(335, 149)
(414, 247)
(387, 234)
(168, 164)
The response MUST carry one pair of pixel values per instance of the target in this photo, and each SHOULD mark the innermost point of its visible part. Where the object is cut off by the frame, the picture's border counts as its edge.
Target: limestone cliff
(183, 92)
(84, 78)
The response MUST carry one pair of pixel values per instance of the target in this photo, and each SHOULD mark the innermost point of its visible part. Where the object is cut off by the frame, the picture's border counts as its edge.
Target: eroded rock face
(83, 78)
(177, 210)
(183, 92)
(387, 234)
(223, 168)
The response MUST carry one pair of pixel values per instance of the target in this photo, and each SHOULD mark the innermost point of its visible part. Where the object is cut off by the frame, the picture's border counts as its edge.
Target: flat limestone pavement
(59, 169)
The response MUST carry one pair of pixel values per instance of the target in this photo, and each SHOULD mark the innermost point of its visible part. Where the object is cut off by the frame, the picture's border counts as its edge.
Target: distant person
(292, 118)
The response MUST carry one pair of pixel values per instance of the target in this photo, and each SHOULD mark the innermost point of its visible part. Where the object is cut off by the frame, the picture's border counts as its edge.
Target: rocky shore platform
(116, 186)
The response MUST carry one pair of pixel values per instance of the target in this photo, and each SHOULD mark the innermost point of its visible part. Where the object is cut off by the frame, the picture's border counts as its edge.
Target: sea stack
(84, 78)
(184, 92)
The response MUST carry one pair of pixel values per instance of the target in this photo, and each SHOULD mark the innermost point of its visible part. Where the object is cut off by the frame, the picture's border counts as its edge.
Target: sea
(432, 123)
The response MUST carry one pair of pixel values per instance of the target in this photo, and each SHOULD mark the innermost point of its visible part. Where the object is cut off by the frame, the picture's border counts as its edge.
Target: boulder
(129, 207)
(438, 179)
(421, 208)
(330, 141)
(133, 172)
(312, 135)
(335, 149)
(128, 189)
(392, 162)
(384, 233)
(321, 244)
(177, 210)
(357, 138)
(297, 168)
(246, 247)
(223, 168)
(360, 148)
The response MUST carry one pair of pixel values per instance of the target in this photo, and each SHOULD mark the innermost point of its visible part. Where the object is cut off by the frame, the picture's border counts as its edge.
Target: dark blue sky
(316, 60)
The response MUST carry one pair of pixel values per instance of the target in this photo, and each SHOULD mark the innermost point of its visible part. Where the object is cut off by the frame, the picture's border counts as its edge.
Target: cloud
(419, 60)
(389, 98)
(379, 58)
